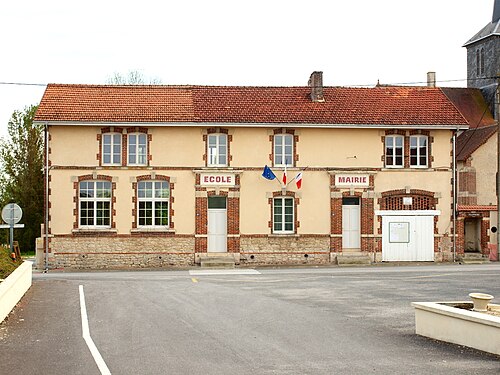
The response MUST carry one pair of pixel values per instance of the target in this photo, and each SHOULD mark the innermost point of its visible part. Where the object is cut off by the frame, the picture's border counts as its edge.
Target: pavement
(301, 320)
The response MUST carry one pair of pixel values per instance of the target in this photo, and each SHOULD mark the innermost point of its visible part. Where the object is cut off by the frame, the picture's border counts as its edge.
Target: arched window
(482, 61)
(94, 208)
(153, 203)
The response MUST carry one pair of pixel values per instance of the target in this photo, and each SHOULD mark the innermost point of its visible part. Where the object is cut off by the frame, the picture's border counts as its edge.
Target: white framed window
(153, 200)
(94, 204)
(394, 151)
(418, 151)
(283, 150)
(137, 149)
(111, 149)
(217, 150)
(283, 215)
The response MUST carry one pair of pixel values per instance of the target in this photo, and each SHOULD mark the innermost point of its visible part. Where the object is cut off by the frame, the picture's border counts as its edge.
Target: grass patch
(7, 265)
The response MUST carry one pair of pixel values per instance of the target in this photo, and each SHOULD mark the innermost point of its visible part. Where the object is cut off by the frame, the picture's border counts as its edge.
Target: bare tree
(133, 77)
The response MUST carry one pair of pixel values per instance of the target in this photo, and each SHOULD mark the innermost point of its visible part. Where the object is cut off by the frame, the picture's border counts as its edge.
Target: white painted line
(223, 272)
(86, 336)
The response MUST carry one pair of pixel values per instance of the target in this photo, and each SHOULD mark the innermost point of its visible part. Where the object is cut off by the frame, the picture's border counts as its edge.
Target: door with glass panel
(217, 225)
(350, 223)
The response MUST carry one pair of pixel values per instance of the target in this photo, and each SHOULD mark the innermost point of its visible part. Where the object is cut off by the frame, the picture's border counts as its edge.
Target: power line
(23, 84)
(357, 85)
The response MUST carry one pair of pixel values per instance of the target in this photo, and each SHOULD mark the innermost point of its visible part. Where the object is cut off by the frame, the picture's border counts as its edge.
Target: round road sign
(12, 213)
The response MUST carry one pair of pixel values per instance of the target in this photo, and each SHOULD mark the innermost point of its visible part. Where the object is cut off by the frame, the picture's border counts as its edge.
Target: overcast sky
(232, 42)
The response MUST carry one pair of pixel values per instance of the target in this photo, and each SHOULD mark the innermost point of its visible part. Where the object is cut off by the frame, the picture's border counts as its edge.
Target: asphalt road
(278, 321)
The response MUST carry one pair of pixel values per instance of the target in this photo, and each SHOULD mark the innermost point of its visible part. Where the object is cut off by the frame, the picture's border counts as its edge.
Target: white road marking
(223, 272)
(86, 336)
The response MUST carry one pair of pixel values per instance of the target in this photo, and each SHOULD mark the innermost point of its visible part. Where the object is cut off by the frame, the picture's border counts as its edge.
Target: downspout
(46, 224)
(455, 177)
(498, 160)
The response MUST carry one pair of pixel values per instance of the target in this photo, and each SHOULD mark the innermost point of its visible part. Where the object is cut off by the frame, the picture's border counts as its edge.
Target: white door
(217, 225)
(351, 224)
(408, 238)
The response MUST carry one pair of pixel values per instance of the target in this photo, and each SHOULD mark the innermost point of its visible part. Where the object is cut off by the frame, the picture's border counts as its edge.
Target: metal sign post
(12, 214)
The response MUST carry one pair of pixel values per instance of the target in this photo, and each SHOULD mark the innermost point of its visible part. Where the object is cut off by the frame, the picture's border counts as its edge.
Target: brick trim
(295, 141)
(107, 130)
(135, 198)
(296, 202)
(149, 138)
(406, 146)
(76, 196)
(218, 130)
(233, 217)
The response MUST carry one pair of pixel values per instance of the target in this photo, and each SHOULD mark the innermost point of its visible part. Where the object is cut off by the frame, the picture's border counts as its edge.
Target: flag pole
(300, 171)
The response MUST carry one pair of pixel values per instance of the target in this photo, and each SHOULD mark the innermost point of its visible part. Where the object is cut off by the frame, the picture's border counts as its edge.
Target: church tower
(483, 58)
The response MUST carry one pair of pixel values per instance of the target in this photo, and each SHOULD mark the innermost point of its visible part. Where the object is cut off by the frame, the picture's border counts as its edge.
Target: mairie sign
(217, 179)
(360, 180)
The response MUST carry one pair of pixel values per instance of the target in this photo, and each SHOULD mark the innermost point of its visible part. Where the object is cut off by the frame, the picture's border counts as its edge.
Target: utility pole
(497, 110)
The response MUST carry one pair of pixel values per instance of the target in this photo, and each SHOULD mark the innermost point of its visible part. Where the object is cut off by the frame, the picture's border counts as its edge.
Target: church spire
(496, 11)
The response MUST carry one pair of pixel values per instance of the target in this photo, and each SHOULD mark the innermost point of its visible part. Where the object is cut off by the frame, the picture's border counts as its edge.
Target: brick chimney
(316, 85)
(431, 79)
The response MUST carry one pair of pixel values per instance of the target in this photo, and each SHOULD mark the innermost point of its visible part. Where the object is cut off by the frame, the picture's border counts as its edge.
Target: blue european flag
(268, 173)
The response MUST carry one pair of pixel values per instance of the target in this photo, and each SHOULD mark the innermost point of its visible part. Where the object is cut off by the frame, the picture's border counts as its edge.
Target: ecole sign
(360, 180)
(217, 179)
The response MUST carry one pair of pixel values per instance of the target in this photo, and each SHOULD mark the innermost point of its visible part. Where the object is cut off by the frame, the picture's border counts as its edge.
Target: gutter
(464, 126)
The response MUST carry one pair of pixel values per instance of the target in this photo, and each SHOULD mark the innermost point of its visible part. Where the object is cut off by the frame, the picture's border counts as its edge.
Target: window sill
(95, 231)
(281, 235)
(152, 230)
(408, 169)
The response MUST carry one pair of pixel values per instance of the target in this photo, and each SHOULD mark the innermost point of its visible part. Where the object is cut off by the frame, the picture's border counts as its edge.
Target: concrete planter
(12, 289)
(442, 321)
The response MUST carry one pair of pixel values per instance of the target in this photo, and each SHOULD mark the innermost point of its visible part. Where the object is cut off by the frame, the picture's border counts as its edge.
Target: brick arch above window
(81, 201)
(153, 177)
(421, 200)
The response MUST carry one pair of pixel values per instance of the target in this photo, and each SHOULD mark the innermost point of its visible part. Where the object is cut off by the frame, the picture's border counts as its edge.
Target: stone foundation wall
(279, 250)
(121, 252)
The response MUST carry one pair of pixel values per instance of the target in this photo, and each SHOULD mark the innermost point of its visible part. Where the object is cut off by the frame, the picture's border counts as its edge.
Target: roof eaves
(255, 124)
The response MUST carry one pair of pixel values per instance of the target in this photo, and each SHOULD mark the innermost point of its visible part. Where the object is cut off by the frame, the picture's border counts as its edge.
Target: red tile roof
(470, 140)
(461, 207)
(471, 104)
(392, 106)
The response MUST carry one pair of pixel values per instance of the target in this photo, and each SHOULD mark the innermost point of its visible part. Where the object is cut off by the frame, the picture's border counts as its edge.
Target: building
(477, 150)
(152, 176)
(483, 59)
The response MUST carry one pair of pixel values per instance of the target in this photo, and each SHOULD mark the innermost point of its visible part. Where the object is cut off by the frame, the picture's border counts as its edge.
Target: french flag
(284, 176)
(298, 180)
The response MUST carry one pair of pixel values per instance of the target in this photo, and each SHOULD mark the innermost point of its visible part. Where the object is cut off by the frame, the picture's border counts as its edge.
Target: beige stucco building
(152, 176)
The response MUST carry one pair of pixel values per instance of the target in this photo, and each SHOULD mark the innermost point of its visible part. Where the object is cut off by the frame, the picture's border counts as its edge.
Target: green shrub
(7, 265)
